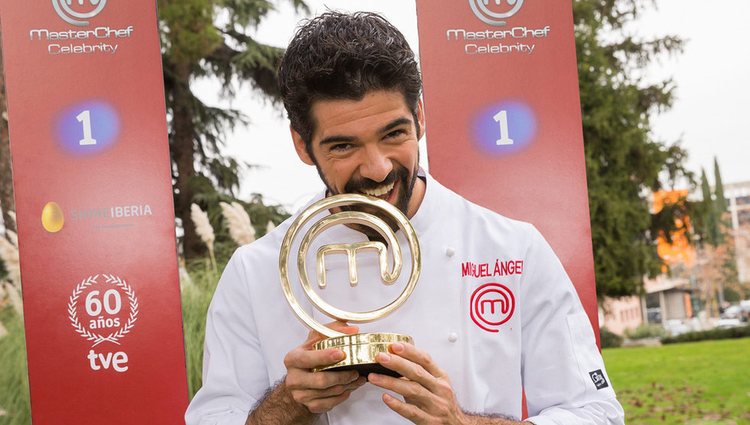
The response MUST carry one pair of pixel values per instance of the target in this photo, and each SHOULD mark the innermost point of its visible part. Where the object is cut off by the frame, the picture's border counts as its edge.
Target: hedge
(725, 333)
(609, 339)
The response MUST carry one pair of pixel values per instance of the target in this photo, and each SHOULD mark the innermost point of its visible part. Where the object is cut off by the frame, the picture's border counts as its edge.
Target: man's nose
(375, 164)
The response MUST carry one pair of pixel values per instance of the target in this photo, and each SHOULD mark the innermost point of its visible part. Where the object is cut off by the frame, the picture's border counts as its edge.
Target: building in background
(738, 197)
(621, 314)
(673, 297)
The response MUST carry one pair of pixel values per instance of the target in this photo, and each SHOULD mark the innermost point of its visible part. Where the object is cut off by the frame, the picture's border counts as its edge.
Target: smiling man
(351, 87)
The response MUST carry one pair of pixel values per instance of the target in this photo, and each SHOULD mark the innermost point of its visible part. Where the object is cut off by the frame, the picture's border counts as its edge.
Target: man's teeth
(378, 191)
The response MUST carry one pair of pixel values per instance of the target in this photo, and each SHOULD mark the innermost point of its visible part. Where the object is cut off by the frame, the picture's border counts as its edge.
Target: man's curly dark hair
(342, 56)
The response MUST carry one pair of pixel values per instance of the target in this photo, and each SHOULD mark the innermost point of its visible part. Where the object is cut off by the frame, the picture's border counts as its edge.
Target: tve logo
(77, 12)
(496, 14)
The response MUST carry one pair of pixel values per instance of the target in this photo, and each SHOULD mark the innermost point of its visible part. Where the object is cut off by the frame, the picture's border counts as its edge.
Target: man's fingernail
(339, 355)
(383, 357)
(397, 347)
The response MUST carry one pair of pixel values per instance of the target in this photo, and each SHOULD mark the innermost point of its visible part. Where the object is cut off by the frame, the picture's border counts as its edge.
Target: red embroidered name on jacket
(500, 268)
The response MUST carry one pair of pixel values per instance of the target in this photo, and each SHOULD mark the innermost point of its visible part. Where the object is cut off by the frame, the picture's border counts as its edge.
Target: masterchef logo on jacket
(498, 268)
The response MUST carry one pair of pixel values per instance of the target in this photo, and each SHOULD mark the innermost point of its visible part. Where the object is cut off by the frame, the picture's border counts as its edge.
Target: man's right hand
(320, 392)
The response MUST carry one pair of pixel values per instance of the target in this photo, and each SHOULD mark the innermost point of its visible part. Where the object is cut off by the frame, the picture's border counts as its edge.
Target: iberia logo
(492, 304)
(496, 14)
(77, 12)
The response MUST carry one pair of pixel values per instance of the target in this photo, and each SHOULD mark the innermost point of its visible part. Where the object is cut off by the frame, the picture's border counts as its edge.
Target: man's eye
(341, 147)
(396, 133)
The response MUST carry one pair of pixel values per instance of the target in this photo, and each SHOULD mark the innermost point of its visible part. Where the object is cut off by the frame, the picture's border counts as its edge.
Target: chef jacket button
(449, 252)
(453, 337)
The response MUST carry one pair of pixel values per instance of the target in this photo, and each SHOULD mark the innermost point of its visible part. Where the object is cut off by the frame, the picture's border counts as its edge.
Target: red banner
(504, 121)
(95, 216)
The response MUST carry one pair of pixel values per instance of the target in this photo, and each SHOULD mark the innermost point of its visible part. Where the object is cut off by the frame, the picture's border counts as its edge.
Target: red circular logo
(492, 304)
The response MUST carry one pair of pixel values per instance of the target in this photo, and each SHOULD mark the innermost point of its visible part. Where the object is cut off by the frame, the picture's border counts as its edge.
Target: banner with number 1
(95, 217)
(504, 117)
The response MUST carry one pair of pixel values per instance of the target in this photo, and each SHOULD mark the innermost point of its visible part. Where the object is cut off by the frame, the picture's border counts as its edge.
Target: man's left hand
(428, 395)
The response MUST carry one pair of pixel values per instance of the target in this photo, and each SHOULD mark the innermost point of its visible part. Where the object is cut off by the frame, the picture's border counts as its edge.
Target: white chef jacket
(493, 307)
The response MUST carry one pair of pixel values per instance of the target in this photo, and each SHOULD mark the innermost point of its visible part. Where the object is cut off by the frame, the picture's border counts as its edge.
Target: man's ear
(420, 119)
(299, 146)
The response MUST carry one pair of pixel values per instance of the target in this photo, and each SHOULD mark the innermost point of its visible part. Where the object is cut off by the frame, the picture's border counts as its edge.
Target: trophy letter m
(388, 277)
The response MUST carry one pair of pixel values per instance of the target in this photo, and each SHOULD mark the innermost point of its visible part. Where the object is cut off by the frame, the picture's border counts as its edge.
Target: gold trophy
(360, 349)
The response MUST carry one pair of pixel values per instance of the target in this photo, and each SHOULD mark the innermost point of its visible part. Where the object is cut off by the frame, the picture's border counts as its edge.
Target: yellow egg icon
(52, 217)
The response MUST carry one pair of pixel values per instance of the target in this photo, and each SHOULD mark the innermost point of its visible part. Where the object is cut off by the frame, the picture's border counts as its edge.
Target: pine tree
(721, 200)
(717, 265)
(210, 38)
(7, 202)
(624, 163)
(709, 220)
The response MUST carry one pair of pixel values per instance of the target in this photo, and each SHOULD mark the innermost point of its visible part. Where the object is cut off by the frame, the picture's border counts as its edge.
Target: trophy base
(361, 350)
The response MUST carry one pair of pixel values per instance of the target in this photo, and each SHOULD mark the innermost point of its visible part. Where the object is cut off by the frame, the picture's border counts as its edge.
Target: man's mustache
(364, 183)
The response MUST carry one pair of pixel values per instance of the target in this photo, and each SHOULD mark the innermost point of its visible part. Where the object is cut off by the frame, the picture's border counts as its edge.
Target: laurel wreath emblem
(113, 337)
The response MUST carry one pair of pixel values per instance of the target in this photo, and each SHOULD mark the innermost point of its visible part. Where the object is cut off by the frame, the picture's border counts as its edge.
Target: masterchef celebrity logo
(497, 14)
(492, 304)
(517, 40)
(102, 39)
(77, 12)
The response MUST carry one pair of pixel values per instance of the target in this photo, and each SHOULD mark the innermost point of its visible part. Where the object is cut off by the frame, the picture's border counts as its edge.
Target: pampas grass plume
(9, 255)
(204, 230)
(238, 222)
(270, 226)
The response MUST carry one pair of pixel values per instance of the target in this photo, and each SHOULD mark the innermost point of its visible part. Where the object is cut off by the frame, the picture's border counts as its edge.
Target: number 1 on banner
(85, 119)
(502, 119)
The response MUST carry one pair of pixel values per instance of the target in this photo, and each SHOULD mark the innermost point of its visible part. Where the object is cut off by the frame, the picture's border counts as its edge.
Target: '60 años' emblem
(110, 309)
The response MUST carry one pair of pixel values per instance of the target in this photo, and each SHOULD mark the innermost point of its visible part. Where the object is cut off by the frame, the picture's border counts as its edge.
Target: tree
(624, 163)
(721, 200)
(210, 38)
(708, 215)
(7, 203)
(717, 265)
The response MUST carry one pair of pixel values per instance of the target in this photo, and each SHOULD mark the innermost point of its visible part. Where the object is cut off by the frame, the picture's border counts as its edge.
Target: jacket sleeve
(234, 376)
(563, 372)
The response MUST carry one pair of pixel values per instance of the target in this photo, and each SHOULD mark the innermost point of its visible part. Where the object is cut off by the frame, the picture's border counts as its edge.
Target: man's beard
(401, 178)
(404, 182)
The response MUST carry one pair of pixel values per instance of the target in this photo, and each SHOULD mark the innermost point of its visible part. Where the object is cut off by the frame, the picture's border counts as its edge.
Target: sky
(710, 113)
(709, 116)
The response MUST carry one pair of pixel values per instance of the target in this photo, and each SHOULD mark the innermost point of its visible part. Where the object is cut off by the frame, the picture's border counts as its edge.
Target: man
(351, 87)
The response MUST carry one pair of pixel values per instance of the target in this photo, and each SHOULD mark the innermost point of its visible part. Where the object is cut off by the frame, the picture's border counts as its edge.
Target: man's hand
(319, 391)
(428, 395)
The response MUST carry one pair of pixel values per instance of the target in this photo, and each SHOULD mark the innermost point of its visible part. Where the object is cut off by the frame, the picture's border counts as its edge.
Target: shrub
(609, 339)
(726, 333)
(647, 331)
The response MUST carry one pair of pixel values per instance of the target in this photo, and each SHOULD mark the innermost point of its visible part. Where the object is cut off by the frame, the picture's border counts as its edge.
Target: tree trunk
(183, 150)
(7, 202)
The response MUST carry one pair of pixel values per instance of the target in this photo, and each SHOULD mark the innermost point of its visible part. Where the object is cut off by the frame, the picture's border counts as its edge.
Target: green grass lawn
(692, 383)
